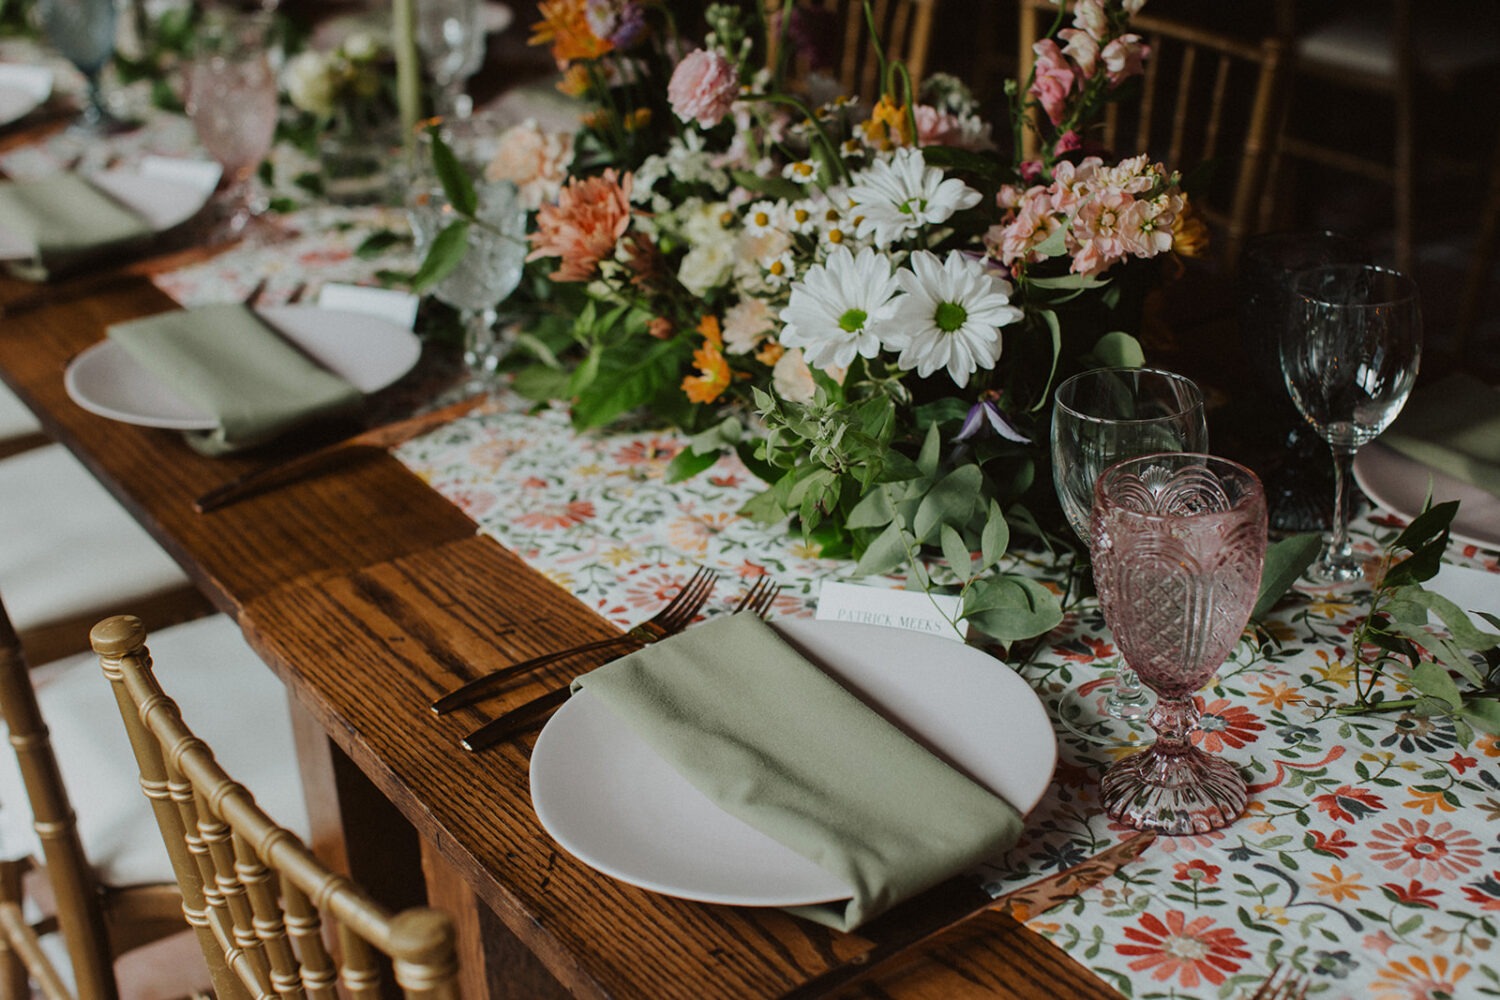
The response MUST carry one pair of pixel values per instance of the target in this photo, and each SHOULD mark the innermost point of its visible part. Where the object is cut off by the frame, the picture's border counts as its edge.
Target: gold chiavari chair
(1208, 104)
(904, 28)
(258, 899)
(109, 886)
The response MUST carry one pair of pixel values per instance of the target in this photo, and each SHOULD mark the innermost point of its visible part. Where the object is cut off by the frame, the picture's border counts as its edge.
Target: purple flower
(985, 411)
(622, 23)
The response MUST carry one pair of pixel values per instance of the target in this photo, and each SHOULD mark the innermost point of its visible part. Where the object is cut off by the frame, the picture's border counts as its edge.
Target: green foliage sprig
(1455, 669)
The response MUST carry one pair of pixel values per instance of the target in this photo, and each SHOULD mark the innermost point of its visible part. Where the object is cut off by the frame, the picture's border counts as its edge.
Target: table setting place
(913, 631)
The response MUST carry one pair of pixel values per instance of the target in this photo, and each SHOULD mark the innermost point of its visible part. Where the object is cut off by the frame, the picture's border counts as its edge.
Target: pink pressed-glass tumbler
(1178, 541)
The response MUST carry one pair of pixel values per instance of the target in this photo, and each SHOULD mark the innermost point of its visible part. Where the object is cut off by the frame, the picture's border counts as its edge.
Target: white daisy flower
(896, 197)
(763, 217)
(837, 309)
(779, 270)
(801, 171)
(802, 217)
(950, 316)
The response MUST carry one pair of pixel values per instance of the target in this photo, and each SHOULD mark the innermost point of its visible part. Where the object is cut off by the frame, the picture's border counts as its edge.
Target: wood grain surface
(368, 594)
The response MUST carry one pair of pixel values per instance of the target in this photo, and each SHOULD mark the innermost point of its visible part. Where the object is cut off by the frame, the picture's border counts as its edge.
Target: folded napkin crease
(226, 361)
(67, 220)
(776, 742)
(1452, 426)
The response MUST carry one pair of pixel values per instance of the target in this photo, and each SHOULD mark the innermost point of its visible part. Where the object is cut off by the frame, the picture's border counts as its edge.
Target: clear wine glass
(1178, 544)
(232, 100)
(450, 36)
(490, 270)
(84, 32)
(1349, 355)
(1099, 417)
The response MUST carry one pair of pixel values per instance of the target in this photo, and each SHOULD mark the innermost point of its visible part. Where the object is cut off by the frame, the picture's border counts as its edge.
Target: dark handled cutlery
(670, 620)
(961, 899)
(757, 600)
(377, 438)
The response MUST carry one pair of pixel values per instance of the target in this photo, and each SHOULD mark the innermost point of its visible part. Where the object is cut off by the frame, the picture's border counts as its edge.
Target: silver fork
(1290, 987)
(668, 621)
(757, 601)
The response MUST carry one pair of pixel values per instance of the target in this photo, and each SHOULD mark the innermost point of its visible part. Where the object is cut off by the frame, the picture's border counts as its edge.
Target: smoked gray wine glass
(1099, 417)
(84, 32)
(1349, 354)
(1178, 544)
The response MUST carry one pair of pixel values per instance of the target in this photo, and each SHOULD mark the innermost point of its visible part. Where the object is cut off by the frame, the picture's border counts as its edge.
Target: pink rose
(703, 88)
(1054, 79)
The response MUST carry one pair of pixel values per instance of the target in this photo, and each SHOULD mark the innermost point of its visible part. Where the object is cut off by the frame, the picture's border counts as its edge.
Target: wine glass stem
(1339, 549)
(1174, 719)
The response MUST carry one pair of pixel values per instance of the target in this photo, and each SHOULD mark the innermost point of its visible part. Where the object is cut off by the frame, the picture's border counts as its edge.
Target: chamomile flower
(950, 316)
(779, 270)
(763, 217)
(837, 310)
(896, 197)
(801, 171)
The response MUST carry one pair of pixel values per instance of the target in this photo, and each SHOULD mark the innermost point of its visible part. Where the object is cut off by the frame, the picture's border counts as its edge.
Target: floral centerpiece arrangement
(871, 304)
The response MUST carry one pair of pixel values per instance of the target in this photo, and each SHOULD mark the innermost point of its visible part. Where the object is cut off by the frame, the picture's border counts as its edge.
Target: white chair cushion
(1447, 41)
(16, 419)
(67, 548)
(228, 697)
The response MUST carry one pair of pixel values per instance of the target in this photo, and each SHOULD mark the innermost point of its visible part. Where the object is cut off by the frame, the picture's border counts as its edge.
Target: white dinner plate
(23, 89)
(369, 353)
(162, 201)
(1399, 484)
(610, 801)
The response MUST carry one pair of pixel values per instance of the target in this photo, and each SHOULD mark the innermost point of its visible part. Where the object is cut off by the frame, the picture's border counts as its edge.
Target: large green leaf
(884, 554)
(1010, 608)
(623, 385)
(445, 254)
(1286, 561)
(951, 500)
(457, 187)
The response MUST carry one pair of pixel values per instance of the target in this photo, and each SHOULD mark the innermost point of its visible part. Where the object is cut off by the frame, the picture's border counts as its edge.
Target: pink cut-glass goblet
(1178, 541)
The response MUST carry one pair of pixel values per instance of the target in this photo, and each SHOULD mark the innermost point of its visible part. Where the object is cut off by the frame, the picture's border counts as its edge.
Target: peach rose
(534, 160)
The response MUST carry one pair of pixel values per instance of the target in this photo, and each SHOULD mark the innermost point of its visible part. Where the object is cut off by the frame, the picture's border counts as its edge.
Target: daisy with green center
(838, 310)
(950, 316)
(897, 197)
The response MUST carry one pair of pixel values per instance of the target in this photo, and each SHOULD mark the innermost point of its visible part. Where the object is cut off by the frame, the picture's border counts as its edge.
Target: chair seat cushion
(16, 420)
(1447, 41)
(227, 695)
(67, 548)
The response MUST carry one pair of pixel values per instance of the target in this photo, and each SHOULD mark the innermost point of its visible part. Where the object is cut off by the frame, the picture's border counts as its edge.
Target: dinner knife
(377, 438)
(961, 899)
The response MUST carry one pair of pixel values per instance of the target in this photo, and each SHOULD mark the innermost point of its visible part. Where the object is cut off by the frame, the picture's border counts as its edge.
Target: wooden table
(368, 593)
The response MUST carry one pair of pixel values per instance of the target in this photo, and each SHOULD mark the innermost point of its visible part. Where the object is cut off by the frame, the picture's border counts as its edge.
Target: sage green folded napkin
(68, 220)
(775, 741)
(224, 360)
(1452, 426)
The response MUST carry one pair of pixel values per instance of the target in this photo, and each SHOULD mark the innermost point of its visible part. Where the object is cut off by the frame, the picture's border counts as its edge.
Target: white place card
(387, 303)
(932, 614)
(200, 175)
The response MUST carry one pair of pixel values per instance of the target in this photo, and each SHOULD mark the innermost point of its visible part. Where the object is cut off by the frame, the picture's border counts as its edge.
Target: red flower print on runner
(555, 517)
(1086, 649)
(1419, 978)
(1221, 725)
(645, 452)
(1197, 871)
(1486, 892)
(1348, 803)
(1193, 951)
(1421, 849)
(1335, 844)
(651, 587)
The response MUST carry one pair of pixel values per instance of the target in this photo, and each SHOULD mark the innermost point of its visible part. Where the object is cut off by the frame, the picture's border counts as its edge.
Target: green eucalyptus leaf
(445, 254)
(1435, 682)
(874, 510)
(994, 540)
(540, 382)
(1010, 608)
(458, 188)
(950, 501)
(687, 463)
(956, 553)
(884, 554)
(1118, 350)
(932, 446)
(1453, 618)
(1427, 526)
(1482, 713)
(1286, 561)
